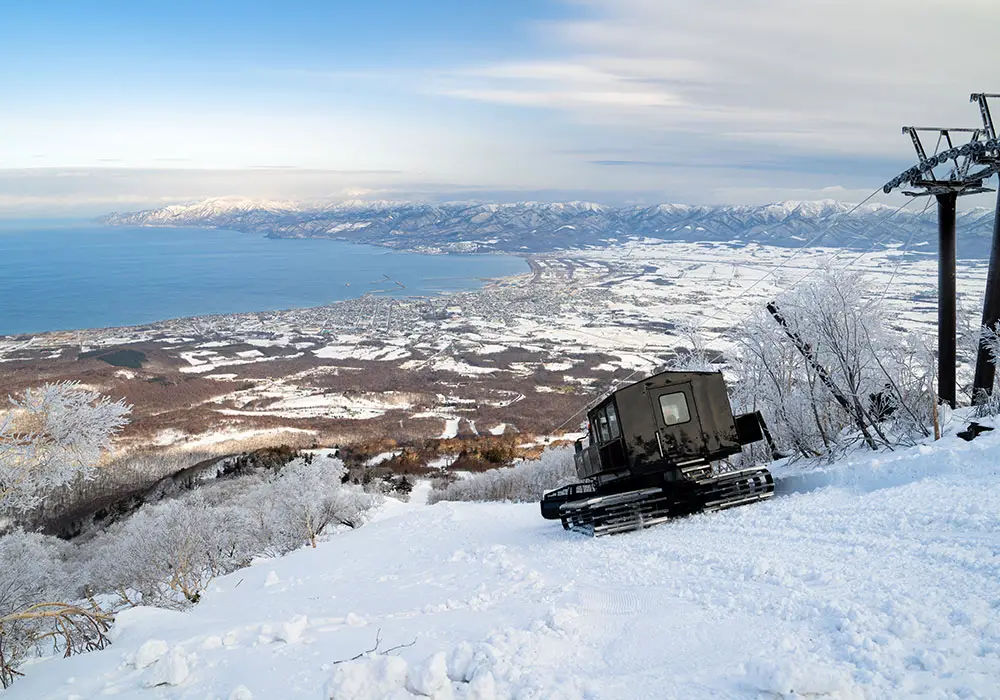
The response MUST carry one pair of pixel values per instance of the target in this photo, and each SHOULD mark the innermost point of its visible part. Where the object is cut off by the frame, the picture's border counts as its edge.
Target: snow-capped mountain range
(535, 226)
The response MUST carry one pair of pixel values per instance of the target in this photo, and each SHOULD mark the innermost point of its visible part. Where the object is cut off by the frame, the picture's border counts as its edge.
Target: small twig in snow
(375, 649)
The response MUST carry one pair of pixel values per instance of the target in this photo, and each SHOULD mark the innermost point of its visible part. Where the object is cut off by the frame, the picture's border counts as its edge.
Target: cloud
(701, 101)
(91, 191)
(823, 76)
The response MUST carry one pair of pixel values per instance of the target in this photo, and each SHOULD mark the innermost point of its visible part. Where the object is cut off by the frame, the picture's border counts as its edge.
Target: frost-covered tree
(306, 497)
(168, 553)
(50, 436)
(862, 379)
(773, 378)
(989, 336)
(694, 355)
(522, 482)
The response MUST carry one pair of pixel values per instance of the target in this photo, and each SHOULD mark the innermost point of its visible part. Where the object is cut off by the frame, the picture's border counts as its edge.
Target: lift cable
(777, 268)
(863, 253)
(899, 261)
(611, 384)
(906, 246)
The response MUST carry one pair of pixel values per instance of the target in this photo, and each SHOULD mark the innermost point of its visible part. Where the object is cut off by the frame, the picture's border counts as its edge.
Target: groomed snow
(356, 352)
(876, 579)
(358, 406)
(216, 437)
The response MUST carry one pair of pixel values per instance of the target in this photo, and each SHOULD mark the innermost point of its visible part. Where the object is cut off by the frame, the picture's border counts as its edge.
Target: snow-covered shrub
(522, 482)
(32, 571)
(884, 378)
(50, 436)
(169, 552)
(306, 497)
(166, 553)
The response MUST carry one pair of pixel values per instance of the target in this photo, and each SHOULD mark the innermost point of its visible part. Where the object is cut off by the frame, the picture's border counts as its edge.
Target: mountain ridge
(530, 227)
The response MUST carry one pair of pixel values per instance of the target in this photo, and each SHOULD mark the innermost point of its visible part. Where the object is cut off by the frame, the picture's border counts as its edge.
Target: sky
(110, 105)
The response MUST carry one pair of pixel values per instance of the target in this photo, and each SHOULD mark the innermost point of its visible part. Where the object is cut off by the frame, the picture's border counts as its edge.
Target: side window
(613, 422)
(602, 426)
(674, 408)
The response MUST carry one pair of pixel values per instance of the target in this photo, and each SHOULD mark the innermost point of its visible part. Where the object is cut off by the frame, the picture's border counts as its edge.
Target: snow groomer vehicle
(649, 456)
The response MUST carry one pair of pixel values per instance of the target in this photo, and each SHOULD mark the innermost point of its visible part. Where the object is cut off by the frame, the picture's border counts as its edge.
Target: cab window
(602, 426)
(674, 408)
(613, 422)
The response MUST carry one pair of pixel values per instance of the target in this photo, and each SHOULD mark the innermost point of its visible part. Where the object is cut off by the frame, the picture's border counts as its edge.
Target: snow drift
(872, 579)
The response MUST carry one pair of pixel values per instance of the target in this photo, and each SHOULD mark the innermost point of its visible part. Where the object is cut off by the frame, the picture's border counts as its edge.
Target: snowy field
(585, 319)
(873, 579)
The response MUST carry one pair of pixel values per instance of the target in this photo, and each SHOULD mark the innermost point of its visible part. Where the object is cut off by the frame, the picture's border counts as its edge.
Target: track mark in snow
(419, 493)
(622, 601)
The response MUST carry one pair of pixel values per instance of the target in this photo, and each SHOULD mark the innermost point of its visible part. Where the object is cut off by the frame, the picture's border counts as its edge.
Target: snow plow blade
(642, 508)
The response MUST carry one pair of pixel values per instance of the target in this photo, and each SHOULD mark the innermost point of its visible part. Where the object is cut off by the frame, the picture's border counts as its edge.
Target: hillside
(528, 227)
(877, 578)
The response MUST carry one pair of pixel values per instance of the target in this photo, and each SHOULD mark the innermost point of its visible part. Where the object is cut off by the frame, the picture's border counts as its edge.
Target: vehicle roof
(677, 373)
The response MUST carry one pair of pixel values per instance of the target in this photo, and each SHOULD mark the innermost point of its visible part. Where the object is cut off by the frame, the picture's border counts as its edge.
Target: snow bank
(864, 471)
(801, 678)
(877, 578)
(170, 669)
(378, 678)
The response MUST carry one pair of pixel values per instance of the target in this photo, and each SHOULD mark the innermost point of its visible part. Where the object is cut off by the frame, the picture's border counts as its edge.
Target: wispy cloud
(98, 190)
(701, 101)
(812, 77)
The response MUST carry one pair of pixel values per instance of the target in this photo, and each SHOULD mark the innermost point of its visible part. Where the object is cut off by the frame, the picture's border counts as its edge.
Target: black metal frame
(971, 164)
(982, 384)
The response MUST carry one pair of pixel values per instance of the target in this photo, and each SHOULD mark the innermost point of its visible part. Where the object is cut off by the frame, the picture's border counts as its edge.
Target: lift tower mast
(982, 385)
(966, 173)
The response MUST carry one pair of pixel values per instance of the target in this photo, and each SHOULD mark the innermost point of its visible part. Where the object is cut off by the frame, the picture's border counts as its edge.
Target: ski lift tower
(982, 385)
(968, 166)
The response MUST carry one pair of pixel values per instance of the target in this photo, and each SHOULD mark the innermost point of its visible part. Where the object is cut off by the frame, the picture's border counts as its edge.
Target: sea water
(61, 275)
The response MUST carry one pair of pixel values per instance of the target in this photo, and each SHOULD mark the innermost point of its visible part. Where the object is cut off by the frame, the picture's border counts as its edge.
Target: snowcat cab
(649, 456)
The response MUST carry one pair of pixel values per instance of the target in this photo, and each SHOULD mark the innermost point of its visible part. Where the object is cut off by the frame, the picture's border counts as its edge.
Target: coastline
(515, 361)
(77, 277)
(77, 333)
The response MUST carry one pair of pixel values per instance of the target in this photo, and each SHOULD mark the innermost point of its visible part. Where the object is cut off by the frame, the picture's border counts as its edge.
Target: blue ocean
(62, 275)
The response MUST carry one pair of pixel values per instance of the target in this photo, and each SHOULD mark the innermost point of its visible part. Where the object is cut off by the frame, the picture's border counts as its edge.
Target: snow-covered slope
(536, 226)
(877, 579)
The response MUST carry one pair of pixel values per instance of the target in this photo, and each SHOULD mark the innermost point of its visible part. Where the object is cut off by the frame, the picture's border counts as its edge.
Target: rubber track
(635, 510)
